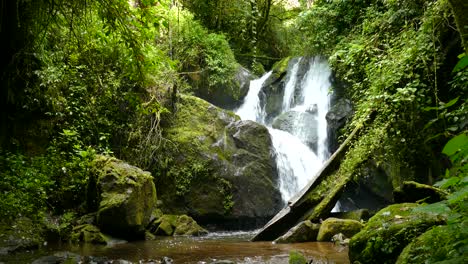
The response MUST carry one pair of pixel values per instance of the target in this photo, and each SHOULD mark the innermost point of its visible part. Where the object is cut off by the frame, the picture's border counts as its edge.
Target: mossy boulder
(333, 226)
(228, 95)
(303, 232)
(442, 243)
(358, 215)
(88, 234)
(217, 168)
(178, 225)
(411, 191)
(21, 235)
(389, 231)
(124, 195)
(296, 257)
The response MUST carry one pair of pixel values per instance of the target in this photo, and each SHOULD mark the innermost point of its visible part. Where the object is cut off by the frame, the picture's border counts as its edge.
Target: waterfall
(300, 136)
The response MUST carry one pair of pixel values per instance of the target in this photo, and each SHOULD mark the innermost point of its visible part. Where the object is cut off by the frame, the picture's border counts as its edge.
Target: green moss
(281, 66)
(442, 243)
(296, 257)
(333, 226)
(389, 231)
(88, 234)
(179, 225)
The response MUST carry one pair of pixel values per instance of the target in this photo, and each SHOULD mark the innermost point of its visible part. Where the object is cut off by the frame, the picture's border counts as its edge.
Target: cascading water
(302, 148)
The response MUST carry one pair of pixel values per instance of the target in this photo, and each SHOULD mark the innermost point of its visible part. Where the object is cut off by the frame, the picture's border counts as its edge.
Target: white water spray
(307, 97)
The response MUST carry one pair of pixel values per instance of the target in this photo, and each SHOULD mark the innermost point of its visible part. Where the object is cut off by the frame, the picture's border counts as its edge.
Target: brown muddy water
(216, 246)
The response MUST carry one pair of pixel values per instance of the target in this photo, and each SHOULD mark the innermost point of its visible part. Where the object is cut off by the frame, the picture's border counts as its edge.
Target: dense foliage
(97, 77)
(395, 59)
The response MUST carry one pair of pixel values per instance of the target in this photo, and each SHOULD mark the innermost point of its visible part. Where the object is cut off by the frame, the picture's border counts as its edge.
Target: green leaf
(439, 208)
(458, 143)
(462, 63)
(447, 183)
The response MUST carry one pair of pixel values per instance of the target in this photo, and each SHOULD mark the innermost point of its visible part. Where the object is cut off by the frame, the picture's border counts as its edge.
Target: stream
(232, 247)
(298, 129)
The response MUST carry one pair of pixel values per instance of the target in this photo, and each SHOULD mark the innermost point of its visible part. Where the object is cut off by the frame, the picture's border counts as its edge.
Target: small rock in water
(167, 260)
(223, 262)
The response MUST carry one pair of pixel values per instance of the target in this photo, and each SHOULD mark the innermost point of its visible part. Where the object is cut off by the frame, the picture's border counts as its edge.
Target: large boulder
(304, 125)
(178, 225)
(228, 95)
(124, 196)
(333, 226)
(303, 232)
(88, 234)
(389, 231)
(218, 169)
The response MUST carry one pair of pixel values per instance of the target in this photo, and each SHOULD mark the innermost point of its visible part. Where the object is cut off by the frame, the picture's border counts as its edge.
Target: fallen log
(312, 202)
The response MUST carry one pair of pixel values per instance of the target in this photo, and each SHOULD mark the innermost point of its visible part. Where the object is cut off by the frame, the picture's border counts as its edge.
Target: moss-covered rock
(178, 225)
(228, 95)
(124, 195)
(333, 226)
(411, 192)
(389, 231)
(302, 232)
(217, 168)
(296, 257)
(23, 234)
(442, 243)
(88, 234)
(358, 215)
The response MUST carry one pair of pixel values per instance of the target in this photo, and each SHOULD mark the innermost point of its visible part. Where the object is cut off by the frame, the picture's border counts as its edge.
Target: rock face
(389, 231)
(303, 232)
(412, 191)
(272, 91)
(178, 225)
(303, 125)
(218, 169)
(337, 116)
(124, 196)
(333, 226)
(229, 95)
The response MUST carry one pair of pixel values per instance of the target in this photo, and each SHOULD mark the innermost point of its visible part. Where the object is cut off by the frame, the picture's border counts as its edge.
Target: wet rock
(303, 232)
(304, 125)
(411, 192)
(21, 235)
(389, 231)
(340, 112)
(178, 225)
(125, 196)
(333, 226)
(88, 234)
(166, 260)
(222, 262)
(340, 240)
(221, 170)
(59, 258)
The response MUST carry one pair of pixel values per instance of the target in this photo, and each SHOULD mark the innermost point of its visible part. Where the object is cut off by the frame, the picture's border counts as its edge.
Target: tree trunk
(460, 12)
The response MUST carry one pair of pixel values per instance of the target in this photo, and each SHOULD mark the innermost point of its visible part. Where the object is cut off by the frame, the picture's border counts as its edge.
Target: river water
(233, 247)
(297, 164)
